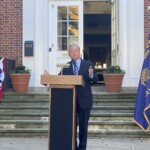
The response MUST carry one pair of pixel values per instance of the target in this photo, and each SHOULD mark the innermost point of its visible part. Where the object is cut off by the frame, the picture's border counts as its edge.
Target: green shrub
(20, 69)
(115, 70)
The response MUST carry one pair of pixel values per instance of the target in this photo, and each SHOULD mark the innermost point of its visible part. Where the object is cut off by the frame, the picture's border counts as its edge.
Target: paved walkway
(93, 144)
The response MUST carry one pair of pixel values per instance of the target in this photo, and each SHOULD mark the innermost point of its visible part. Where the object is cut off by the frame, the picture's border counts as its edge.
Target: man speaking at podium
(83, 93)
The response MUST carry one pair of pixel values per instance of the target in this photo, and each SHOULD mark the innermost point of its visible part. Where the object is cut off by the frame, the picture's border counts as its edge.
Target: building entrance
(97, 35)
(90, 24)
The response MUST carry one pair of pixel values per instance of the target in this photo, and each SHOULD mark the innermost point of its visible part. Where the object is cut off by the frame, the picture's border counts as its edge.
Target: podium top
(62, 79)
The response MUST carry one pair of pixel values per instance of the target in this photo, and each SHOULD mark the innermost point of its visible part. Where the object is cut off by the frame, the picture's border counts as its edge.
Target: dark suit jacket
(84, 93)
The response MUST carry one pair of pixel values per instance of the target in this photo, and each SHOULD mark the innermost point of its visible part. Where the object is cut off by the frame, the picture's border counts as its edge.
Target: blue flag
(142, 106)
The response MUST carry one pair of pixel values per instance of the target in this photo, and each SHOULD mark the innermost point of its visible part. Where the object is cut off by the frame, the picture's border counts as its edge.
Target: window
(67, 26)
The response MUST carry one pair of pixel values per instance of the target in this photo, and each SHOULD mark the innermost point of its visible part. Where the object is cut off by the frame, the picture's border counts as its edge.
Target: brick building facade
(11, 29)
(22, 20)
(146, 20)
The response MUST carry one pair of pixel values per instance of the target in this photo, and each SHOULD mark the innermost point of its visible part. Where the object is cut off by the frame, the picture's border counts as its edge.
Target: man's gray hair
(74, 45)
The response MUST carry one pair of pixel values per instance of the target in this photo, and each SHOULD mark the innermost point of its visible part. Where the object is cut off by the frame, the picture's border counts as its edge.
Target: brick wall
(146, 20)
(11, 29)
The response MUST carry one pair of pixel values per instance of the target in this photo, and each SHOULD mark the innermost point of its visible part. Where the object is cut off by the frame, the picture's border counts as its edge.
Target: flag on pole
(142, 106)
(2, 74)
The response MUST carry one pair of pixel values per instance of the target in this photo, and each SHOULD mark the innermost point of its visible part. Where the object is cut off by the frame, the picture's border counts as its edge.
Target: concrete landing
(93, 144)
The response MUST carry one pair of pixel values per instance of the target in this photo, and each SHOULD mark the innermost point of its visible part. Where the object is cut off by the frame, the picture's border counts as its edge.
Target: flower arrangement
(115, 70)
(21, 69)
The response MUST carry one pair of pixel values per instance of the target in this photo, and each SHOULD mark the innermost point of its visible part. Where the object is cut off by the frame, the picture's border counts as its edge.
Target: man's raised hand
(90, 71)
(46, 72)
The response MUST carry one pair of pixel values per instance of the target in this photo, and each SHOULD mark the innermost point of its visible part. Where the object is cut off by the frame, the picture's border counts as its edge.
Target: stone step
(27, 104)
(46, 111)
(112, 111)
(18, 102)
(119, 133)
(23, 108)
(45, 103)
(118, 97)
(111, 119)
(101, 133)
(30, 95)
(24, 132)
(109, 107)
(27, 115)
(23, 115)
(39, 116)
(45, 118)
(45, 95)
(91, 122)
(128, 100)
(93, 125)
(25, 100)
(44, 123)
(117, 124)
(102, 114)
(95, 104)
(11, 124)
(121, 93)
(114, 95)
(112, 122)
(127, 107)
(113, 104)
(109, 114)
(38, 100)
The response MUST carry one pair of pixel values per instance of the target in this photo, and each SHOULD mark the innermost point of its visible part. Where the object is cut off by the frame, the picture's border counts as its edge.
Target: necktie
(75, 69)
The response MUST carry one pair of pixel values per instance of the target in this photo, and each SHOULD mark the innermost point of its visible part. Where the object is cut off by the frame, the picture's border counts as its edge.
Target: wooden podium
(62, 110)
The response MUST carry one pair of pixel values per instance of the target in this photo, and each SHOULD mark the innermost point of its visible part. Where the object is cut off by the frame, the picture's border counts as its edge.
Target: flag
(1, 77)
(142, 106)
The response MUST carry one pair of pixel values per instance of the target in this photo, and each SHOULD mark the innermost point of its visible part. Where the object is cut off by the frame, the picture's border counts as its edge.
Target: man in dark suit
(84, 93)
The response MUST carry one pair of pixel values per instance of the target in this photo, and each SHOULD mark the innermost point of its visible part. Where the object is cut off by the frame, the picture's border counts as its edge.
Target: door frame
(114, 33)
(56, 56)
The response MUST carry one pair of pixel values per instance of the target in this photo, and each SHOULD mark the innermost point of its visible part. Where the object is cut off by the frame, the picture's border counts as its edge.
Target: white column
(35, 28)
(29, 35)
(41, 39)
(131, 36)
(135, 40)
(123, 34)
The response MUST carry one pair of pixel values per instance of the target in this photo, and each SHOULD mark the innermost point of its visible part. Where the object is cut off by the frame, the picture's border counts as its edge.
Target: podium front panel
(62, 125)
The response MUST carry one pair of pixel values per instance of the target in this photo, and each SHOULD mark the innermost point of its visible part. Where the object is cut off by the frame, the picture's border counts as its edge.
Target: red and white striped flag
(2, 75)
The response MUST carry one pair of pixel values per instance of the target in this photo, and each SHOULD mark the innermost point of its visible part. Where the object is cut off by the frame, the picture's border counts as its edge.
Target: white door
(65, 28)
(114, 32)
